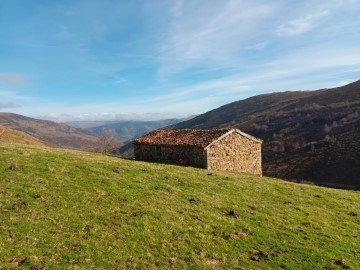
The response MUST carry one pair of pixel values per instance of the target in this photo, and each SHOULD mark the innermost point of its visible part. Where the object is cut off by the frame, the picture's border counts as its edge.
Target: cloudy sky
(90, 59)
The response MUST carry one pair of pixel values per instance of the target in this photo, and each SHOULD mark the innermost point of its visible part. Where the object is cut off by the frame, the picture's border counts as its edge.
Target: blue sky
(111, 59)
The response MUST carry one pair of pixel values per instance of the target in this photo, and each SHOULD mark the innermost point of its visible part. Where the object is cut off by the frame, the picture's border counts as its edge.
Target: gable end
(230, 132)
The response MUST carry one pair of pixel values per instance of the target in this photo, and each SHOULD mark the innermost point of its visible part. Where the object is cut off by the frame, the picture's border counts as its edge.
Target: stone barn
(216, 149)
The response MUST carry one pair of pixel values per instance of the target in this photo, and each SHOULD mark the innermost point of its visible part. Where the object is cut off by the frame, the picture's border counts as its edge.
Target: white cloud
(288, 72)
(317, 58)
(12, 78)
(353, 70)
(178, 8)
(64, 32)
(228, 48)
(120, 81)
(300, 25)
(11, 95)
(260, 46)
(8, 105)
(104, 116)
(211, 34)
(342, 83)
(294, 70)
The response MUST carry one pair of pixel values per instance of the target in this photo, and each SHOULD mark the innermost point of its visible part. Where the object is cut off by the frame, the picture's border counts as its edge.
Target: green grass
(62, 209)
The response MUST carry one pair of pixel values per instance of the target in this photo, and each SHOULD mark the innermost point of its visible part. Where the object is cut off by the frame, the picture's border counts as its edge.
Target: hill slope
(68, 209)
(51, 133)
(12, 136)
(308, 135)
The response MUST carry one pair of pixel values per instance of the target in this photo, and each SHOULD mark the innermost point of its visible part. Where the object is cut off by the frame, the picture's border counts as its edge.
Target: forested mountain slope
(308, 135)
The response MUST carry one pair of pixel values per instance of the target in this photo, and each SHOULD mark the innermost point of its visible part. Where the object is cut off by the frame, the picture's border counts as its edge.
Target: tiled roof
(183, 137)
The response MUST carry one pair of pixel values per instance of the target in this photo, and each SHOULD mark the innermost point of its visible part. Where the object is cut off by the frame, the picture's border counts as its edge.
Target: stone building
(217, 149)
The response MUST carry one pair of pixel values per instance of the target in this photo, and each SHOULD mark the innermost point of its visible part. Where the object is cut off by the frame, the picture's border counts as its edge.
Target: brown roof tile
(183, 137)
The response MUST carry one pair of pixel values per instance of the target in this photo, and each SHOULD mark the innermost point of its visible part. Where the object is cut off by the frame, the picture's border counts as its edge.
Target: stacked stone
(219, 149)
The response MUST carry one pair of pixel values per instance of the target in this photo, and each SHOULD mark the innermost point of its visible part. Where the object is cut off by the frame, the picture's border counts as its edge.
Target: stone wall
(187, 155)
(235, 153)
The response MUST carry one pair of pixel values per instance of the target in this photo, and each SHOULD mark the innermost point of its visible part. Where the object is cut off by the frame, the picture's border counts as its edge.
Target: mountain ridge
(130, 129)
(52, 133)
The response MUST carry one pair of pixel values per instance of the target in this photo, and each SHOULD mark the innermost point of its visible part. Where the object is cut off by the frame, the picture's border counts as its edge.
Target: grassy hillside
(311, 131)
(51, 133)
(12, 136)
(63, 209)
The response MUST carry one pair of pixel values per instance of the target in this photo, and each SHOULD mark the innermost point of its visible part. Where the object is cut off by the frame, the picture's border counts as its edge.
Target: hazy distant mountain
(308, 135)
(128, 130)
(51, 133)
(90, 124)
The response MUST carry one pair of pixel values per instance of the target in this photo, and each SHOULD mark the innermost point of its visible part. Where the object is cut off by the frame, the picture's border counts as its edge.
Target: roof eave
(168, 145)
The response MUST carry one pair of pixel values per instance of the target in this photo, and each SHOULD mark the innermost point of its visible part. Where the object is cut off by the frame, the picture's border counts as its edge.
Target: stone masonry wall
(194, 156)
(235, 153)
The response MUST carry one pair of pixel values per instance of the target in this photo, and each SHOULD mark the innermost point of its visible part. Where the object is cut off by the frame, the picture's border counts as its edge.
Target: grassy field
(62, 209)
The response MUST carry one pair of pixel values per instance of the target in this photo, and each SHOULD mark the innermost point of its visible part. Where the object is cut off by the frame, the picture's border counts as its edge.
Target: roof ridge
(187, 137)
(193, 129)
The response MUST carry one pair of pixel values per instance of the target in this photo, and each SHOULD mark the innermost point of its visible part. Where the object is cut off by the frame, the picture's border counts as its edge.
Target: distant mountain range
(128, 130)
(50, 133)
(90, 124)
(308, 135)
(70, 135)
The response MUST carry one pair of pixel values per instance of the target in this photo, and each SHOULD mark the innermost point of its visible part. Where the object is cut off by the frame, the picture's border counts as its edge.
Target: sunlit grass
(62, 209)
